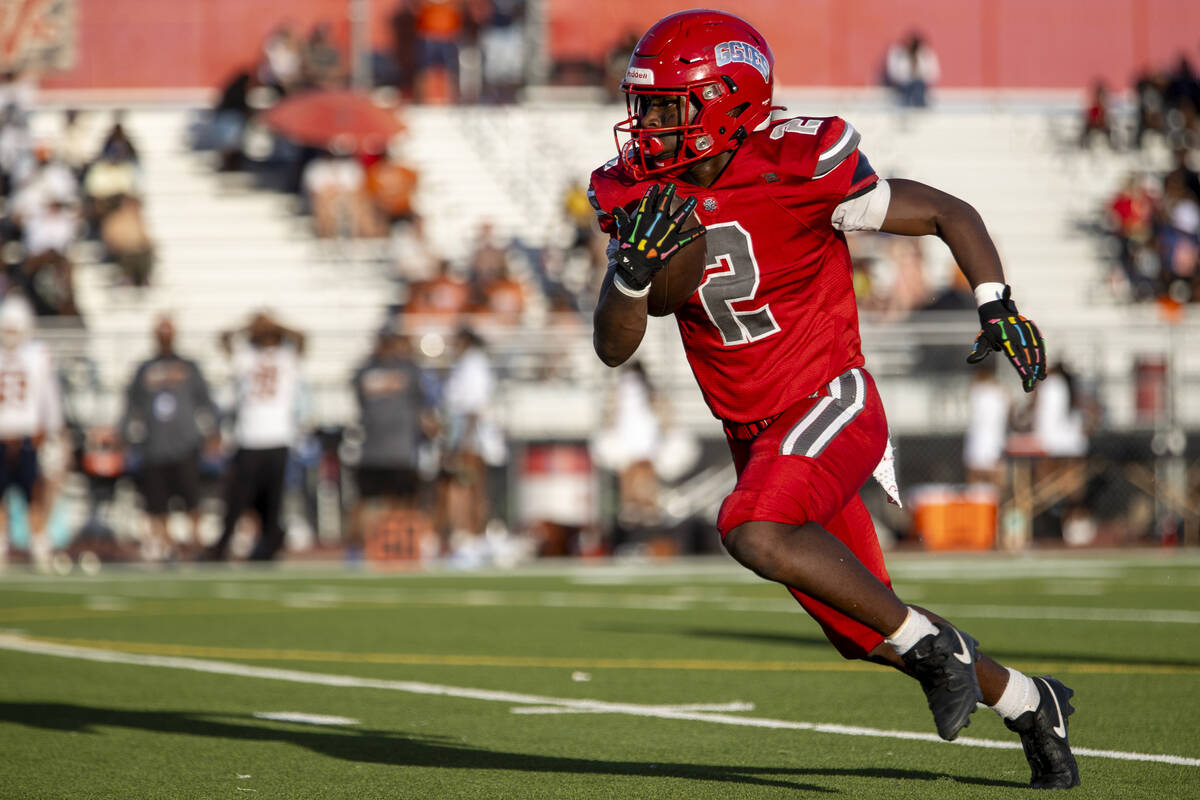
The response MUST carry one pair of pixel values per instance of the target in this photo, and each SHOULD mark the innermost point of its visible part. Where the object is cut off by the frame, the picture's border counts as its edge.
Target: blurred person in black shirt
(397, 415)
(168, 417)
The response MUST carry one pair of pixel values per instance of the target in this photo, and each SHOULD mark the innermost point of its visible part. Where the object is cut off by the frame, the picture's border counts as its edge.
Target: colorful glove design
(1004, 329)
(652, 235)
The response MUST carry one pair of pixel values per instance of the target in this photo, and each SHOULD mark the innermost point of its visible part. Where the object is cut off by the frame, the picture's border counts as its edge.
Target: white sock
(1020, 695)
(916, 626)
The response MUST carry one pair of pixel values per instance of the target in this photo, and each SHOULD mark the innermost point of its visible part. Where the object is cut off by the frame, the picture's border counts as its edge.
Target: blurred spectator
(502, 44)
(956, 295)
(323, 64)
(266, 372)
(1182, 95)
(912, 67)
(123, 233)
(1179, 238)
(404, 46)
(46, 274)
(1097, 120)
(391, 183)
(111, 177)
(117, 143)
(616, 62)
(475, 445)
(1151, 106)
(168, 417)
(503, 298)
(396, 414)
(909, 290)
(282, 65)
(75, 147)
(1181, 171)
(629, 443)
(30, 416)
(987, 425)
(335, 186)
(1058, 415)
(16, 148)
(439, 26)
(17, 91)
(228, 124)
(50, 179)
(413, 258)
(446, 294)
(1131, 218)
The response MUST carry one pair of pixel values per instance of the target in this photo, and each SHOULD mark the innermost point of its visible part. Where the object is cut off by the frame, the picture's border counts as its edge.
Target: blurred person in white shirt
(30, 415)
(266, 373)
(988, 405)
(912, 67)
(476, 444)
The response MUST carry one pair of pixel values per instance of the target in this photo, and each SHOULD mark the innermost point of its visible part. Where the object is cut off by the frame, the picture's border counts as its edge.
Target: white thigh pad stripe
(825, 420)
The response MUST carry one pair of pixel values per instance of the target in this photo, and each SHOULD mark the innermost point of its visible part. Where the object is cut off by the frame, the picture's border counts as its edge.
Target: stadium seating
(226, 249)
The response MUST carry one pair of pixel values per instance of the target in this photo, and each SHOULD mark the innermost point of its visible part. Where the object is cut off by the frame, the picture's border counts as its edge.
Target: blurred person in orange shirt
(503, 297)
(391, 183)
(439, 28)
(445, 294)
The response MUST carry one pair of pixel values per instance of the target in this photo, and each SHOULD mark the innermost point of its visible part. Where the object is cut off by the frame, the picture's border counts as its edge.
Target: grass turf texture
(1124, 632)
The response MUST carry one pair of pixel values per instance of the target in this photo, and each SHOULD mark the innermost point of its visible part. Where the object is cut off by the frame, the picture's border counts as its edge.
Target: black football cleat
(945, 666)
(1044, 737)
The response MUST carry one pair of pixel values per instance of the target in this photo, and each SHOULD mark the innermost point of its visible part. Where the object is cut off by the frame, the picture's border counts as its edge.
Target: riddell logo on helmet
(743, 53)
(639, 76)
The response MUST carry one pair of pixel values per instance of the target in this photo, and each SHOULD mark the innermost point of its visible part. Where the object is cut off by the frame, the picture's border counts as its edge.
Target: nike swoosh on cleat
(965, 655)
(1060, 730)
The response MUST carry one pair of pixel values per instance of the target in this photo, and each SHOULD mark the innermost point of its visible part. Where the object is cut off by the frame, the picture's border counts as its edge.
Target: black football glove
(649, 239)
(1018, 338)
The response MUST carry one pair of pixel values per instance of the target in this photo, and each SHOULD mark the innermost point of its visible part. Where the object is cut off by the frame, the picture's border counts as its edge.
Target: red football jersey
(774, 318)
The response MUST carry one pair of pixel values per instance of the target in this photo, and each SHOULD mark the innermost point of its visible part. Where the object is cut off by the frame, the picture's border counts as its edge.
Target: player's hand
(648, 239)
(1006, 330)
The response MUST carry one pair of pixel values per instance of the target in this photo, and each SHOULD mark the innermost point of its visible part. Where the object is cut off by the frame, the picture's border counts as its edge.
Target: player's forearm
(619, 324)
(920, 210)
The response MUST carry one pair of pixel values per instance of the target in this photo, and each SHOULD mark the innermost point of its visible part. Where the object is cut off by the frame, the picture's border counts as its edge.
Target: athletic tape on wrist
(987, 292)
(625, 289)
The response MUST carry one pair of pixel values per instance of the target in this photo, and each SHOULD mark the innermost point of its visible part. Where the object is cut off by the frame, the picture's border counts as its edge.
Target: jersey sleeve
(603, 218)
(610, 187)
(839, 162)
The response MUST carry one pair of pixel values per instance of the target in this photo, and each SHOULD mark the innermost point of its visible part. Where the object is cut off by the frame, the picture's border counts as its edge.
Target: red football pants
(808, 466)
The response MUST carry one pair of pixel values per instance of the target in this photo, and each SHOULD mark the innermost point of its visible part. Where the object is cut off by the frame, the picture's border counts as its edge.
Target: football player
(31, 419)
(772, 337)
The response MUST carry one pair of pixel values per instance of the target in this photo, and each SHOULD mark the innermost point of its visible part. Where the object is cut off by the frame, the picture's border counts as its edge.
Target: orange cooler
(955, 517)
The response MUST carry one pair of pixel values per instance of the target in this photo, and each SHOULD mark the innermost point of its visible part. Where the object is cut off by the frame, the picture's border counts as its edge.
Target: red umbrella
(335, 118)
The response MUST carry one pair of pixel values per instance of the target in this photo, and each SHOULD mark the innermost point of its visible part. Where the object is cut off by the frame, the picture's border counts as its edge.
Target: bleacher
(226, 248)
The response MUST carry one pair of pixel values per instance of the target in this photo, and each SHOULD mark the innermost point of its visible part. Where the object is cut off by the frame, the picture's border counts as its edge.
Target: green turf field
(683, 679)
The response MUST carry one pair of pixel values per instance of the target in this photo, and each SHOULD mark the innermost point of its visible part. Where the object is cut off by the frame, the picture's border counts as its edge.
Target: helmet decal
(743, 53)
(639, 76)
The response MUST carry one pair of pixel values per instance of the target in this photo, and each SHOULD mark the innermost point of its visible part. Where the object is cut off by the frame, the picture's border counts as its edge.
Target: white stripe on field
(23, 645)
(735, 706)
(308, 719)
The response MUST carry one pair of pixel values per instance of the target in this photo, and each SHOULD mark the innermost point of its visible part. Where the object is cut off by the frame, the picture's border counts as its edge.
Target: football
(680, 278)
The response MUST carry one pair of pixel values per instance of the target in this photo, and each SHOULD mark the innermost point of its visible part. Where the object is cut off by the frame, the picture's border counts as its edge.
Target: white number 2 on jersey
(736, 281)
(808, 126)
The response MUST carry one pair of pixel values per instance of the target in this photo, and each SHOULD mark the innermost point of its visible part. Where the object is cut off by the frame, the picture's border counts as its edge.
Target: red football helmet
(716, 68)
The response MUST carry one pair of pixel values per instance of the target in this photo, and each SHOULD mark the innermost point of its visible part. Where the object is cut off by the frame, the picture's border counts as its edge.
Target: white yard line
(305, 718)
(24, 645)
(735, 706)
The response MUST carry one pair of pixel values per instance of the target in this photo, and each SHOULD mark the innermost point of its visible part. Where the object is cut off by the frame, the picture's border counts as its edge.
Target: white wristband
(625, 289)
(987, 292)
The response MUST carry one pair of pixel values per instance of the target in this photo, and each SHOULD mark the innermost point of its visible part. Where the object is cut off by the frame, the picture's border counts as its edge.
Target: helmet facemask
(668, 148)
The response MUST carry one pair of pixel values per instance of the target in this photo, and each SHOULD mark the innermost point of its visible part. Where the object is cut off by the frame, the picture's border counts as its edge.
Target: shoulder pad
(811, 147)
